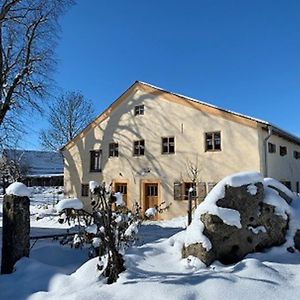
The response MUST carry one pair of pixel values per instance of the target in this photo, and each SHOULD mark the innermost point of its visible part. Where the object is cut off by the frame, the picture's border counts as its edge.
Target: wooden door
(151, 195)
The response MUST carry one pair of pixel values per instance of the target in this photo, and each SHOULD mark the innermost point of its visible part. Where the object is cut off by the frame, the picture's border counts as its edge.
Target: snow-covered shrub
(152, 212)
(109, 229)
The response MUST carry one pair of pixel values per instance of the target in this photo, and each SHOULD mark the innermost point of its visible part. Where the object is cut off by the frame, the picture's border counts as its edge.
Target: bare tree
(68, 115)
(12, 166)
(28, 35)
(193, 172)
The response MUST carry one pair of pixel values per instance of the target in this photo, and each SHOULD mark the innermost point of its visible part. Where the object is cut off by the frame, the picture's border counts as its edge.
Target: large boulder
(243, 214)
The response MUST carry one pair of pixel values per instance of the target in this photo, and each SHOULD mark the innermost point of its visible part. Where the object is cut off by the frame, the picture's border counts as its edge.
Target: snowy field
(155, 269)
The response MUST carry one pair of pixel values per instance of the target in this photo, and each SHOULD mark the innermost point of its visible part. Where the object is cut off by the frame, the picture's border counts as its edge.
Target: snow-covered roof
(38, 163)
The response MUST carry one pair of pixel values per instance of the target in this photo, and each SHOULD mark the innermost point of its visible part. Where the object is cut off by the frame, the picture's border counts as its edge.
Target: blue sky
(238, 54)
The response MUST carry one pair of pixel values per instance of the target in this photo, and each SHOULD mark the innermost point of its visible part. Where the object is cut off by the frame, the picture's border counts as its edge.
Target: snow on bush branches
(109, 229)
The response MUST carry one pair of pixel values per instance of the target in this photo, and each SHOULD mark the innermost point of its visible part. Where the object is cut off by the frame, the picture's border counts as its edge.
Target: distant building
(37, 168)
(148, 142)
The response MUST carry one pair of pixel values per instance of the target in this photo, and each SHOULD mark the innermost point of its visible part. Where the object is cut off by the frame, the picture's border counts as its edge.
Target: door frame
(143, 183)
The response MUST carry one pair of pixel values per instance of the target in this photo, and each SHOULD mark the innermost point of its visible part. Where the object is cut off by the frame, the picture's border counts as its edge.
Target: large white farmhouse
(152, 145)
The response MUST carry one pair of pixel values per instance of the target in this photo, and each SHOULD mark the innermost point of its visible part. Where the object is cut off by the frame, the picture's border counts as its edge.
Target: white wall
(162, 118)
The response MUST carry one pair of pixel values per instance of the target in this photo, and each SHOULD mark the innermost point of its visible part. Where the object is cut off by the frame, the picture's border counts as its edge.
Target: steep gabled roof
(186, 101)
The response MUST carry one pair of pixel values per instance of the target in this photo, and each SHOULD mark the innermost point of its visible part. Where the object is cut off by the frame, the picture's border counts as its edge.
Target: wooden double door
(150, 195)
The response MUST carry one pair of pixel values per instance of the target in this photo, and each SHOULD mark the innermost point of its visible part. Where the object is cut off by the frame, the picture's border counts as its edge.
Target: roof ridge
(206, 103)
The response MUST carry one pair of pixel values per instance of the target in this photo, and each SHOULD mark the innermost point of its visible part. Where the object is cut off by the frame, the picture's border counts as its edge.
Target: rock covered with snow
(70, 203)
(18, 189)
(243, 213)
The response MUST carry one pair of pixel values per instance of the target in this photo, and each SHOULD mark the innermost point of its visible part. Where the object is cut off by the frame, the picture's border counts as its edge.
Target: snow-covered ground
(155, 269)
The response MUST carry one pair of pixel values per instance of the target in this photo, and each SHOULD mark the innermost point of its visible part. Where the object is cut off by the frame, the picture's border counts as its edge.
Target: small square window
(139, 148)
(139, 110)
(113, 150)
(271, 148)
(84, 190)
(283, 150)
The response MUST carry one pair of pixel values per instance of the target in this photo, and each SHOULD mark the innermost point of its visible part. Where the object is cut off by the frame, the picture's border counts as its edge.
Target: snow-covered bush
(109, 229)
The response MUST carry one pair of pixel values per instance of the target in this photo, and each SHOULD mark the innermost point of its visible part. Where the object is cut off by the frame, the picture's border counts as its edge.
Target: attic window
(139, 148)
(283, 150)
(271, 148)
(213, 141)
(139, 110)
(168, 145)
(113, 150)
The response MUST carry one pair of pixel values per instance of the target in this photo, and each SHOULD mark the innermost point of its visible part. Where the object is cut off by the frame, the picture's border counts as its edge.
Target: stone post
(16, 231)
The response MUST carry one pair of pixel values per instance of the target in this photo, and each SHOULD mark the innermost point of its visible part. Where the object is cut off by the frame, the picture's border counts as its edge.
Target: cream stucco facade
(171, 115)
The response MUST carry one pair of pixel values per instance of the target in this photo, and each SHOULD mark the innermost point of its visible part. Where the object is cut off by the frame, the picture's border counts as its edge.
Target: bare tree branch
(68, 115)
(28, 35)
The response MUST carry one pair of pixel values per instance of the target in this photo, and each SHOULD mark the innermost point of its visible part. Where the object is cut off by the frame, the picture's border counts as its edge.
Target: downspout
(270, 132)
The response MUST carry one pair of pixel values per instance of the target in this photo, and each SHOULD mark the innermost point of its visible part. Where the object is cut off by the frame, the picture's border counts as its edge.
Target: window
(282, 150)
(121, 188)
(151, 190)
(296, 154)
(212, 141)
(178, 190)
(84, 190)
(113, 150)
(139, 148)
(95, 163)
(139, 110)
(271, 148)
(168, 145)
(181, 190)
